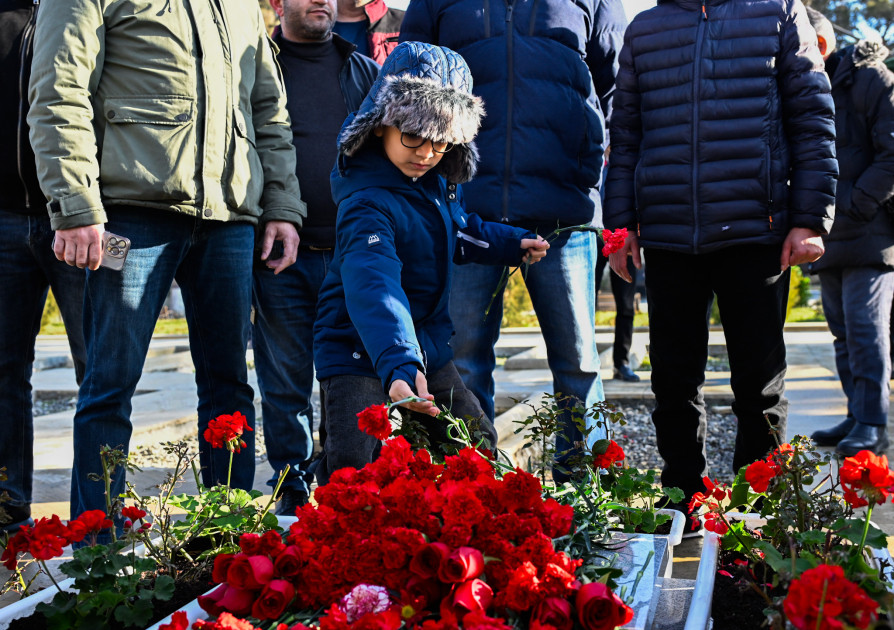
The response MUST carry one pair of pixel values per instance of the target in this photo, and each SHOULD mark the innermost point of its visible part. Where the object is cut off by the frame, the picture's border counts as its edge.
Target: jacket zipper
(770, 185)
(703, 18)
(510, 87)
(27, 35)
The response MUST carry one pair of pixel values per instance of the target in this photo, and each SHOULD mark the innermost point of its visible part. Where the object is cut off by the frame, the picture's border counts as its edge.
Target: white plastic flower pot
(699, 617)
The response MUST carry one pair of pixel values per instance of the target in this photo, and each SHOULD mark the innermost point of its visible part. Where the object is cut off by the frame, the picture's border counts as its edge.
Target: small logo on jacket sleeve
(372, 240)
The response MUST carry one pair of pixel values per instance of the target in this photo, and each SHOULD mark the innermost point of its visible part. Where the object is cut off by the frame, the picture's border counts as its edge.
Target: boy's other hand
(401, 390)
(536, 249)
(80, 247)
(802, 245)
(280, 231)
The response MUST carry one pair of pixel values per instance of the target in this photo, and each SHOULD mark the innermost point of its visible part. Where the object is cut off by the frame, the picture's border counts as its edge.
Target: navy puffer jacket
(723, 127)
(382, 309)
(541, 143)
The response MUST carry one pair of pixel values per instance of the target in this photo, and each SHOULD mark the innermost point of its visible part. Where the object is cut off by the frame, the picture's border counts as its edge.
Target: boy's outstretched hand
(536, 249)
(401, 390)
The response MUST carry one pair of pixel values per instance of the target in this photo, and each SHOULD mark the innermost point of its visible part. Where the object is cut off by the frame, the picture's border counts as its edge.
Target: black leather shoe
(831, 437)
(289, 501)
(864, 437)
(624, 373)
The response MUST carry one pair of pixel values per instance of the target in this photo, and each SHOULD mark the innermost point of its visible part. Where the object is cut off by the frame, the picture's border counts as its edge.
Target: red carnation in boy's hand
(598, 608)
(613, 241)
(226, 432)
(374, 421)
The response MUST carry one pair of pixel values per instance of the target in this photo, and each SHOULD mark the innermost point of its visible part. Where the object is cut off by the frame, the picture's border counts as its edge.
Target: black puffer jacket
(863, 88)
(722, 130)
(19, 190)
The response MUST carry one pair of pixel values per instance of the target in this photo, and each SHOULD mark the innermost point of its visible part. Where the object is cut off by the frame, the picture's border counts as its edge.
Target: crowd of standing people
(344, 196)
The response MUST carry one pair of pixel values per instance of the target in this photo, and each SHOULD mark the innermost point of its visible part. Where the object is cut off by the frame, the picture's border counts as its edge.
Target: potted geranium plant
(811, 561)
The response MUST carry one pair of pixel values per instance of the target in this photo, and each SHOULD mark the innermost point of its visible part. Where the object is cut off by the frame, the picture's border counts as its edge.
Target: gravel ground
(637, 438)
(53, 403)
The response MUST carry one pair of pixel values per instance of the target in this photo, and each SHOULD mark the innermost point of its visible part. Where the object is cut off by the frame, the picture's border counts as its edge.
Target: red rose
(374, 421)
(423, 591)
(554, 612)
(179, 621)
(249, 572)
(598, 608)
(613, 454)
(427, 560)
(288, 563)
(132, 512)
(226, 431)
(237, 601)
(759, 474)
(273, 600)
(468, 597)
(822, 598)
(271, 543)
(221, 566)
(250, 544)
(462, 564)
(210, 603)
(866, 479)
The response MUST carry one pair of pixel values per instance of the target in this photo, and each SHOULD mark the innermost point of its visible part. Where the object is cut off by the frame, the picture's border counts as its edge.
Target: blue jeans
(282, 338)
(29, 267)
(211, 261)
(562, 289)
(857, 304)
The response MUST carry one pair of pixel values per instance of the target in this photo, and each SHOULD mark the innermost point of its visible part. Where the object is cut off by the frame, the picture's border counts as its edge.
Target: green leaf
(852, 530)
(772, 556)
(164, 587)
(137, 615)
(676, 495)
(811, 537)
(739, 494)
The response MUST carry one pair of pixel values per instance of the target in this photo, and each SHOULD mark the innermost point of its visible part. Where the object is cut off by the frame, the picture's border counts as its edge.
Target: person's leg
(679, 307)
(866, 295)
(120, 311)
(752, 299)
(22, 295)
(563, 295)
(450, 393)
(831, 285)
(215, 277)
(282, 339)
(476, 334)
(346, 446)
(623, 292)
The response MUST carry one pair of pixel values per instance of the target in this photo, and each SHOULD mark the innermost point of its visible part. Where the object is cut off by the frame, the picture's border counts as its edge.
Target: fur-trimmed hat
(424, 90)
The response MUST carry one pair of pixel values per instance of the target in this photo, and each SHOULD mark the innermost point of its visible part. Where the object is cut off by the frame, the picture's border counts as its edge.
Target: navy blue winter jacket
(541, 144)
(723, 128)
(382, 309)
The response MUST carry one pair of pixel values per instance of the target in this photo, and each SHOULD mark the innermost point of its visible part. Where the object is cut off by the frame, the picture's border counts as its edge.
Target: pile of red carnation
(408, 542)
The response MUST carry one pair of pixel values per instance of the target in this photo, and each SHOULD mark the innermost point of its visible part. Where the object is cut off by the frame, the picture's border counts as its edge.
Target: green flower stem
(866, 527)
(43, 565)
(819, 618)
(641, 573)
(279, 482)
(21, 579)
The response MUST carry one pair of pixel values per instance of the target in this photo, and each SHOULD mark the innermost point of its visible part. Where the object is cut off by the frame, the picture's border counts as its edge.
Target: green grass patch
(805, 314)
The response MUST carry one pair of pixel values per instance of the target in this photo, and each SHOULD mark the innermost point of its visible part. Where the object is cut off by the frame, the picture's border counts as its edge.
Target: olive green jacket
(171, 105)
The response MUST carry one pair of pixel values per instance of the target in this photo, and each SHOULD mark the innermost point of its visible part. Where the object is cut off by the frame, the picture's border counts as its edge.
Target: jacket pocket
(247, 181)
(148, 148)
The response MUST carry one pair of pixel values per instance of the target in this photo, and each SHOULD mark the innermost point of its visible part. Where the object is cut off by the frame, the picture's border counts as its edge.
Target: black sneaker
(13, 517)
(289, 501)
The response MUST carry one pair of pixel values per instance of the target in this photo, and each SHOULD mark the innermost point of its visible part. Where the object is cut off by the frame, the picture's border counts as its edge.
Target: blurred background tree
(851, 17)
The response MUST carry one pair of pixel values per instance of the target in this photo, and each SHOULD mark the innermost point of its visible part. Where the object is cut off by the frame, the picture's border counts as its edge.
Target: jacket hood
(867, 52)
(424, 90)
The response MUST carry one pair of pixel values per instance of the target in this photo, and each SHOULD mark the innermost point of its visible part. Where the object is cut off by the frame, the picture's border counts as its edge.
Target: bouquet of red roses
(405, 542)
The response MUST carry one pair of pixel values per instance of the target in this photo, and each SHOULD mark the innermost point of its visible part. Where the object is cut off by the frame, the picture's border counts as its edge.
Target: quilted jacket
(723, 126)
(542, 141)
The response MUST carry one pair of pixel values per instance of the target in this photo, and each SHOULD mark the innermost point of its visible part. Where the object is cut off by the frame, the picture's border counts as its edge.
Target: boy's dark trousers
(751, 295)
(343, 397)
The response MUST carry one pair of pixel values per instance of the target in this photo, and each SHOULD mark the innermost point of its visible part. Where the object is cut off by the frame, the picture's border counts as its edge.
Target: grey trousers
(343, 397)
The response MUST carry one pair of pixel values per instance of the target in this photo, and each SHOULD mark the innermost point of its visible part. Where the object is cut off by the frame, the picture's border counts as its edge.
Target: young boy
(383, 329)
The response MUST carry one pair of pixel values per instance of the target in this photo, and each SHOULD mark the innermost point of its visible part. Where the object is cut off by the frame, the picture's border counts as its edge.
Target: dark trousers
(343, 397)
(751, 295)
(623, 292)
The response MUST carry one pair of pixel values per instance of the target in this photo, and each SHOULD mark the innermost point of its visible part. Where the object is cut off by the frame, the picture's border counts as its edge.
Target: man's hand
(401, 390)
(802, 245)
(80, 247)
(618, 259)
(280, 231)
(536, 249)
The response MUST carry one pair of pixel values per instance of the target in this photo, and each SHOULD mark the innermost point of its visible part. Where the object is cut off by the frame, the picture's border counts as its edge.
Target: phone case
(115, 249)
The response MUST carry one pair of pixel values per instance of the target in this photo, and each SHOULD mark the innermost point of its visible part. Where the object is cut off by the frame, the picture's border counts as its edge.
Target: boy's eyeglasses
(412, 141)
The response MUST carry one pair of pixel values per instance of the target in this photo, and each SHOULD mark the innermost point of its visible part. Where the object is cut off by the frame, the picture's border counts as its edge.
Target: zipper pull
(509, 13)
(704, 13)
(770, 217)
(637, 230)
